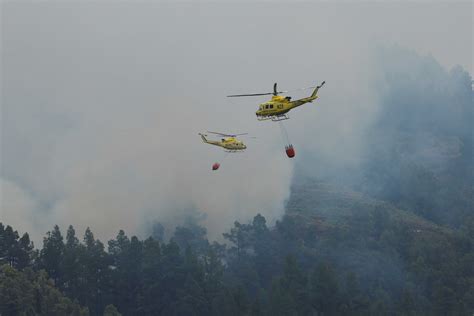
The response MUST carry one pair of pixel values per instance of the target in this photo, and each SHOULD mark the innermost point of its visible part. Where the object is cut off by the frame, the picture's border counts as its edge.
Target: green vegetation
(338, 253)
(32, 293)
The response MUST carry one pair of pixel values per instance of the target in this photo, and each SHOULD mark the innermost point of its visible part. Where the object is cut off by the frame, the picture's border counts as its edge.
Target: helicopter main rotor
(275, 92)
(227, 135)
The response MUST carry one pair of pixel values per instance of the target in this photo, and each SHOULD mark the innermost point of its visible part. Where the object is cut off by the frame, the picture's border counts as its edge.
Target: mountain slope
(391, 250)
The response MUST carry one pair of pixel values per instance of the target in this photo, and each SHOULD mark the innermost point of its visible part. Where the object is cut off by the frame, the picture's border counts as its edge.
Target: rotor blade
(268, 93)
(249, 95)
(221, 134)
(298, 89)
(228, 135)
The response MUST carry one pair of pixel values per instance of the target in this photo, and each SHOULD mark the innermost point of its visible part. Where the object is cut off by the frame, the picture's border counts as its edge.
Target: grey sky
(102, 102)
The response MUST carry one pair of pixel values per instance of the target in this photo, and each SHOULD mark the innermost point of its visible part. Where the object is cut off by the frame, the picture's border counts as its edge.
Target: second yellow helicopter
(228, 141)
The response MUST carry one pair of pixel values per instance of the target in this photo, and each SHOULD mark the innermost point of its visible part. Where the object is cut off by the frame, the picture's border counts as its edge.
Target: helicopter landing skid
(274, 118)
(234, 151)
(280, 117)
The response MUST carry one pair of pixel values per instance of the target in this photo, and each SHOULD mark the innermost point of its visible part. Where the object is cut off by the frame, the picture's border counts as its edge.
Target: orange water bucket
(290, 151)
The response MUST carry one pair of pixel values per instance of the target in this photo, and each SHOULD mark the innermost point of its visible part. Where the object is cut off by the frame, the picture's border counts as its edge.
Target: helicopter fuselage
(228, 143)
(279, 106)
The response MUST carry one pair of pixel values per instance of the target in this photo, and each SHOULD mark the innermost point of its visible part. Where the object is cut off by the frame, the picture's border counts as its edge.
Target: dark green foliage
(71, 264)
(111, 310)
(15, 251)
(17, 295)
(339, 253)
(151, 278)
(52, 253)
(33, 293)
(151, 269)
(241, 236)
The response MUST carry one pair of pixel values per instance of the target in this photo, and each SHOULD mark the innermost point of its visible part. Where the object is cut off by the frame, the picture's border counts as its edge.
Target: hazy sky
(102, 102)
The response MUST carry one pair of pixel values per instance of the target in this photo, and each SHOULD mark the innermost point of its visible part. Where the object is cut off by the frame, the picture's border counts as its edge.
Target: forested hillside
(334, 252)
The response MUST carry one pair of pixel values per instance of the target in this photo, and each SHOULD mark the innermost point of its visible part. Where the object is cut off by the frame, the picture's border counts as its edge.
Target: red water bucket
(215, 166)
(290, 151)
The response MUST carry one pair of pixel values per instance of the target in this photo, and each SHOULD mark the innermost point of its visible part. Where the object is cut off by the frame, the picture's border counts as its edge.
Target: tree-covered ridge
(386, 247)
(335, 252)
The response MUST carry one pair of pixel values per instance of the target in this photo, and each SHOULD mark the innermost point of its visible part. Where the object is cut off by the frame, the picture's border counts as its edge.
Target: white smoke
(102, 104)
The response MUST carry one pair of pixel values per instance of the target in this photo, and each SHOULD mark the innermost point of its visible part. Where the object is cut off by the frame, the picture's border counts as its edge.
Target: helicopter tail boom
(211, 142)
(314, 95)
(311, 98)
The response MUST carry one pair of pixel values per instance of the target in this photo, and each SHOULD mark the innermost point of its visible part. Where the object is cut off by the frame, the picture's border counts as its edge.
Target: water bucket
(290, 151)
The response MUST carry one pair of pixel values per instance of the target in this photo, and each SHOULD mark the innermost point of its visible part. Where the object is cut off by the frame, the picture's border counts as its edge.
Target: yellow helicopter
(228, 141)
(277, 108)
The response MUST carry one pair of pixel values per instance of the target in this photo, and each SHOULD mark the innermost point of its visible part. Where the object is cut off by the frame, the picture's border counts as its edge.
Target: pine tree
(241, 236)
(134, 273)
(15, 251)
(10, 247)
(264, 250)
(95, 274)
(152, 270)
(51, 254)
(25, 252)
(71, 265)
